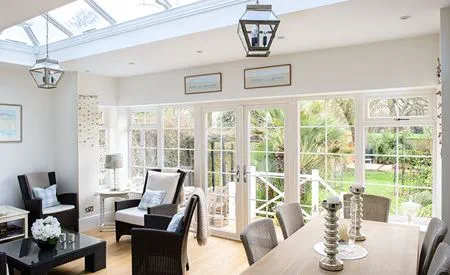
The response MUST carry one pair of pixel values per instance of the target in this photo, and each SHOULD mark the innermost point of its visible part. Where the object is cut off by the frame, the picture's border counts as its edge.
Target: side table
(104, 194)
(9, 214)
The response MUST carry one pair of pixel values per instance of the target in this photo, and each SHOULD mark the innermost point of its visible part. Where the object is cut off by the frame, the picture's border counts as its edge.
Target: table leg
(97, 260)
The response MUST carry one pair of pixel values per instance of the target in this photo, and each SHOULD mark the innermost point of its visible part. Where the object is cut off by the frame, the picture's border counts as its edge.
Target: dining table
(392, 250)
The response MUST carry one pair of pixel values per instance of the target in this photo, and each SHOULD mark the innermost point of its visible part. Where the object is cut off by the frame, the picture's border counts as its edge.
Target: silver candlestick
(356, 214)
(331, 238)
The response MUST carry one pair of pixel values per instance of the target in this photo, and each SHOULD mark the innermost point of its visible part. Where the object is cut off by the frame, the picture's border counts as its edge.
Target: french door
(243, 164)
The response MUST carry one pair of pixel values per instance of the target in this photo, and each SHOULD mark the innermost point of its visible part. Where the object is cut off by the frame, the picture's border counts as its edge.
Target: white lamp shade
(114, 161)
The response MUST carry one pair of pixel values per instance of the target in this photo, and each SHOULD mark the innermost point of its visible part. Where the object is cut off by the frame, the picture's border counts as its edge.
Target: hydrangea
(44, 229)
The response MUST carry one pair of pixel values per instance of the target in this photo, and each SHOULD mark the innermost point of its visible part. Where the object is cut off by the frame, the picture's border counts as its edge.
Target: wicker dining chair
(436, 232)
(290, 217)
(259, 238)
(156, 251)
(375, 208)
(440, 265)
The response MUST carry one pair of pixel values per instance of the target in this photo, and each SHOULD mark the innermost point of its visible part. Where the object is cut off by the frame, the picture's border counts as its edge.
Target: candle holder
(356, 214)
(331, 238)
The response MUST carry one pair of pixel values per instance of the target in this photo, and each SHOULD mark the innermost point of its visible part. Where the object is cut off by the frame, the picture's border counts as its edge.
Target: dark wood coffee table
(25, 256)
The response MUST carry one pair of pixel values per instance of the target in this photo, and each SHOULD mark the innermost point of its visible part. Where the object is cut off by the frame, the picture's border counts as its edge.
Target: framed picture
(203, 83)
(270, 76)
(10, 123)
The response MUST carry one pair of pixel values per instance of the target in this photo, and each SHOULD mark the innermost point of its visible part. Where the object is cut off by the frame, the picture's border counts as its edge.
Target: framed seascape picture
(10, 123)
(270, 76)
(204, 83)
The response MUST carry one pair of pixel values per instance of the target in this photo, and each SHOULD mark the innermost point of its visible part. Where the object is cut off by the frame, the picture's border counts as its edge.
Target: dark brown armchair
(66, 213)
(128, 216)
(157, 251)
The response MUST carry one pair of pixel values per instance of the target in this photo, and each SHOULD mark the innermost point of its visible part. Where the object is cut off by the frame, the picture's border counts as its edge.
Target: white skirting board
(93, 222)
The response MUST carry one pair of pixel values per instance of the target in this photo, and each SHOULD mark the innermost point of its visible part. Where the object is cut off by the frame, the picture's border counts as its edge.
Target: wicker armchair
(66, 213)
(375, 208)
(123, 227)
(3, 269)
(159, 252)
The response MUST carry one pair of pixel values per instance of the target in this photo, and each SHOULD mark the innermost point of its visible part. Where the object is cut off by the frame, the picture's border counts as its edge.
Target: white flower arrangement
(44, 229)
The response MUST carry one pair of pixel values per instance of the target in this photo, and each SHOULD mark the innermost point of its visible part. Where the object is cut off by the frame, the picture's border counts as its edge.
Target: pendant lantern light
(46, 72)
(257, 29)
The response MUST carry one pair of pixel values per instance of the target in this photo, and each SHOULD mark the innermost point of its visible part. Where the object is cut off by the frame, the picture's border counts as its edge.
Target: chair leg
(187, 266)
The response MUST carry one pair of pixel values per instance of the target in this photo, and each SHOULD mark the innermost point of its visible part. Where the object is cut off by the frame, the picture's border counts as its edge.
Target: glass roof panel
(78, 17)
(126, 10)
(38, 26)
(178, 3)
(16, 34)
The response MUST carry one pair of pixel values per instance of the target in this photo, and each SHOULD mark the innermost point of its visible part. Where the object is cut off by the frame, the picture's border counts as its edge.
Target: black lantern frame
(264, 24)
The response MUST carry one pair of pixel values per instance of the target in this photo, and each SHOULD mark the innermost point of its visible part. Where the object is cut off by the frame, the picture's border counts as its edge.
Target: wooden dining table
(393, 250)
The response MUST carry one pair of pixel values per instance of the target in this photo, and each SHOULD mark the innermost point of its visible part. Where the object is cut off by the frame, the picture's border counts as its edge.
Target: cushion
(131, 215)
(151, 198)
(57, 209)
(47, 195)
(163, 182)
(176, 224)
(39, 179)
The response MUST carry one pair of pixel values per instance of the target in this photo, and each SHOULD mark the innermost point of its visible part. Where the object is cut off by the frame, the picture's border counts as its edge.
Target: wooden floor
(219, 256)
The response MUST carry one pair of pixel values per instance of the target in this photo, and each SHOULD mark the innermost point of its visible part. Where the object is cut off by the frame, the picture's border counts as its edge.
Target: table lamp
(114, 161)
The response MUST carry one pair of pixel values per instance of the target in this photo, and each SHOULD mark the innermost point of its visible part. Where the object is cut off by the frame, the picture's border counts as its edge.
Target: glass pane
(137, 174)
(150, 117)
(151, 157)
(341, 111)
(275, 139)
(275, 118)
(214, 140)
(310, 162)
(138, 118)
(79, 17)
(214, 119)
(275, 163)
(257, 118)
(229, 139)
(415, 141)
(415, 172)
(341, 168)
(189, 180)
(258, 160)
(170, 138)
(187, 139)
(228, 162)
(420, 196)
(151, 138)
(187, 159)
(136, 138)
(137, 157)
(381, 170)
(126, 10)
(228, 119)
(16, 34)
(380, 141)
(312, 113)
(170, 118)
(186, 118)
(312, 140)
(257, 139)
(214, 161)
(399, 107)
(38, 26)
(341, 140)
(170, 158)
(102, 137)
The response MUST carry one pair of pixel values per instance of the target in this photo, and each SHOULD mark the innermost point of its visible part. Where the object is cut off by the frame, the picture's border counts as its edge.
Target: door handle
(245, 173)
(237, 172)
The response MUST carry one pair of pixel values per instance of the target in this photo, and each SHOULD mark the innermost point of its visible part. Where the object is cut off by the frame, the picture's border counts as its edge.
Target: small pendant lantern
(46, 72)
(257, 29)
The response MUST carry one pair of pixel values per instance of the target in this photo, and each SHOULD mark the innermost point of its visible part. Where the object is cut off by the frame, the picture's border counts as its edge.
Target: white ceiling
(17, 11)
(348, 23)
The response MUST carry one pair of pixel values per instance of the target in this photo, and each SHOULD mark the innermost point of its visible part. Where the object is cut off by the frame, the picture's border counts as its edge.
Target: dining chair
(440, 265)
(290, 217)
(259, 238)
(436, 232)
(375, 208)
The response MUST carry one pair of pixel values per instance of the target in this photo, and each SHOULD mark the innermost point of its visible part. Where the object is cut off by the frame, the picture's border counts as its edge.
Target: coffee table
(25, 256)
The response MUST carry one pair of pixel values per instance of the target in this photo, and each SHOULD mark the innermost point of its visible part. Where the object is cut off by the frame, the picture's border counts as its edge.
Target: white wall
(36, 152)
(391, 64)
(105, 88)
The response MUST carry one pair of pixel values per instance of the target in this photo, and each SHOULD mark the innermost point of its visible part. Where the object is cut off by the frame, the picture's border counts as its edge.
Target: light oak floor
(219, 256)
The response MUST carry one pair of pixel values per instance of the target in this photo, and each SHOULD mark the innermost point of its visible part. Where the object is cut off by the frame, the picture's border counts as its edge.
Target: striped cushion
(47, 195)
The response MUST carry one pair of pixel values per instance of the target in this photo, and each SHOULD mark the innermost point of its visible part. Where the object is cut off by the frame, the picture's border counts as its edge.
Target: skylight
(84, 16)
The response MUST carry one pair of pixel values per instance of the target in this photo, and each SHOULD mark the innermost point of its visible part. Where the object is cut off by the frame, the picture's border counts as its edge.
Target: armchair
(66, 212)
(128, 216)
(157, 251)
